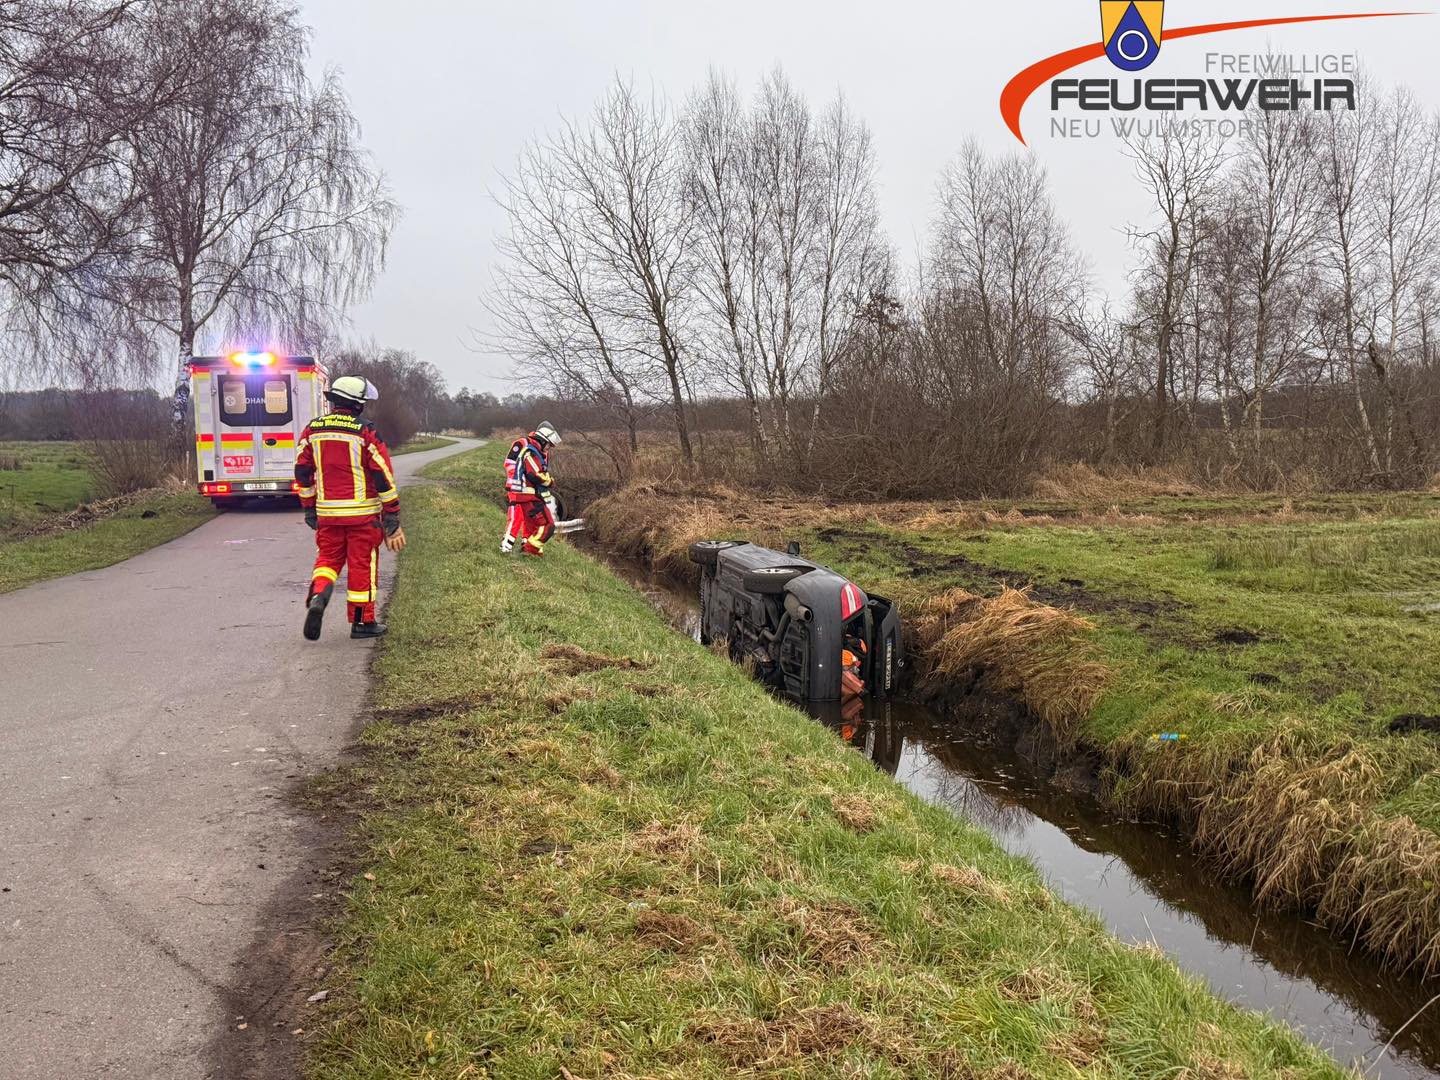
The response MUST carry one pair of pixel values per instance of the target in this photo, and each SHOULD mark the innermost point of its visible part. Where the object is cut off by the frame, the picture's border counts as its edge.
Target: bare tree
(785, 213)
(259, 215)
(1280, 195)
(853, 261)
(550, 301)
(597, 285)
(720, 185)
(1346, 165)
(629, 175)
(1404, 206)
(63, 99)
(990, 326)
(67, 94)
(1003, 260)
(1178, 169)
(1107, 349)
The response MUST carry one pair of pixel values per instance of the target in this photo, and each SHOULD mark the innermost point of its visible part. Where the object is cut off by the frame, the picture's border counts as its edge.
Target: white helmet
(353, 390)
(546, 432)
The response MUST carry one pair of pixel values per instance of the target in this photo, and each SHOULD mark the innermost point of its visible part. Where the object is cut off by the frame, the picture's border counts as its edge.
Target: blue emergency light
(253, 359)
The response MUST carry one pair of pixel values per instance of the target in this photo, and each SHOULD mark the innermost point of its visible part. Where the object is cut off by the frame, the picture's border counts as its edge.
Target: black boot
(360, 629)
(315, 612)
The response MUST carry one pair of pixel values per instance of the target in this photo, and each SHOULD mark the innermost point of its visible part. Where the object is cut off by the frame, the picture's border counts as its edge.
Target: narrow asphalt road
(153, 718)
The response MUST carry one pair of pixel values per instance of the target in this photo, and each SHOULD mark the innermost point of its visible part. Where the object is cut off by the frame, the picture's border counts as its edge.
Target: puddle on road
(1143, 881)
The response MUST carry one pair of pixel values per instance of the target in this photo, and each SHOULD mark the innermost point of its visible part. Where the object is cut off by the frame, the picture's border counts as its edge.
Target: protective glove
(394, 534)
(312, 518)
(507, 545)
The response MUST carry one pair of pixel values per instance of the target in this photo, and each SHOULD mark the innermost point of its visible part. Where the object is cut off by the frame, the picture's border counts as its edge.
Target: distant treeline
(63, 415)
(412, 399)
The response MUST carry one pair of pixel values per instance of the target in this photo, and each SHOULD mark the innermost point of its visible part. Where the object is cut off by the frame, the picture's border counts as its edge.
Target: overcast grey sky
(449, 93)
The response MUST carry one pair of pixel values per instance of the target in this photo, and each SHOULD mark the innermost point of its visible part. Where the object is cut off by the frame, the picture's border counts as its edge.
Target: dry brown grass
(675, 841)
(856, 812)
(670, 932)
(969, 881)
(1012, 645)
(659, 523)
(819, 1031)
(831, 935)
(1300, 820)
(573, 660)
(1040, 984)
(1081, 482)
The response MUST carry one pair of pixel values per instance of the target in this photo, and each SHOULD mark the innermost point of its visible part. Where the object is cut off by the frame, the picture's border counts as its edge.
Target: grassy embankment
(1284, 639)
(590, 847)
(421, 443)
(52, 524)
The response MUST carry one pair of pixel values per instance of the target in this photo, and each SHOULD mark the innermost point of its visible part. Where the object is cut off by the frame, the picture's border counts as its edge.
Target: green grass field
(37, 543)
(40, 479)
(590, 847)
(422, 443)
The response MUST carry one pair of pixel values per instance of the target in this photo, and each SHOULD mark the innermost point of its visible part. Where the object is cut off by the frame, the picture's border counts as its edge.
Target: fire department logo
(1132, 31)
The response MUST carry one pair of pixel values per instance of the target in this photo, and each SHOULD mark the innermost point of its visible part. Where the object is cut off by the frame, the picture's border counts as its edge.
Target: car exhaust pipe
(796, 610)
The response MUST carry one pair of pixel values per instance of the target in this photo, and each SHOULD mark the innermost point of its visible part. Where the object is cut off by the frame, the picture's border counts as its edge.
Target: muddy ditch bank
(988, 760)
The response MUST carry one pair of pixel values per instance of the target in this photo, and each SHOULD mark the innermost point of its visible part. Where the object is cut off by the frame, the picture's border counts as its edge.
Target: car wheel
(771, 580)
(707, 552)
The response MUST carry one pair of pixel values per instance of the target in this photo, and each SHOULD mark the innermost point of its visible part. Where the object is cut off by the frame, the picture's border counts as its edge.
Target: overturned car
(809, 632)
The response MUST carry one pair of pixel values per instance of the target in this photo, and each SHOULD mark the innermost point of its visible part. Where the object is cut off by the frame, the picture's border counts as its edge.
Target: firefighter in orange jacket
(347, 487)
(534, 514)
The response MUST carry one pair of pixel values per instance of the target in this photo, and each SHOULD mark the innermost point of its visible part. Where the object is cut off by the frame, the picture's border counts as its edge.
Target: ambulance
(250, 410)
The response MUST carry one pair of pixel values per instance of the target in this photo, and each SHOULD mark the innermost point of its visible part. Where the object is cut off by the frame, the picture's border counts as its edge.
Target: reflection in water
(1143, 881)
(1147, 885)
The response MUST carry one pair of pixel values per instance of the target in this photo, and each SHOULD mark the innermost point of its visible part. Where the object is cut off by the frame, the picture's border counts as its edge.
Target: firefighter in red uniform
(347, 487)
(534, 514)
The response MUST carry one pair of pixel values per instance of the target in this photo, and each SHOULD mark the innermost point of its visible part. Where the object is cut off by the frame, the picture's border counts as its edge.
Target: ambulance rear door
(257, 418)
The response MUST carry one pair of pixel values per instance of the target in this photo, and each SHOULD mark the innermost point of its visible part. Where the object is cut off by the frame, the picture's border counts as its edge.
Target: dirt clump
(560, 700)
(449, 709)
(1412, 722)
(573, 660)
(833, 935)
(666, 841)
(544, 845)
(1236, 636)
(818, 1031)
(671, 932)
